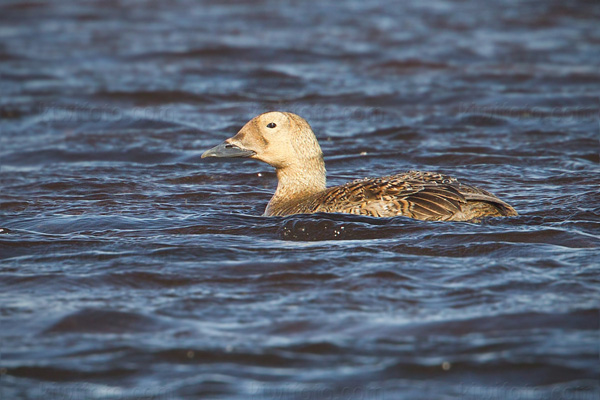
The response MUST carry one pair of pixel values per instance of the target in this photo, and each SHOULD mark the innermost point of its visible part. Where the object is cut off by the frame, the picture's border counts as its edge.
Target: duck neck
(297, 182)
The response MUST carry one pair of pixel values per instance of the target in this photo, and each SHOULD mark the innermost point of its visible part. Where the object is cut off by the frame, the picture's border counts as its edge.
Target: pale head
(280, 139)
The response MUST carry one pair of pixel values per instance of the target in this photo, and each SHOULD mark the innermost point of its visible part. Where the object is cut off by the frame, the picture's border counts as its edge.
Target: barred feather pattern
(416, 194)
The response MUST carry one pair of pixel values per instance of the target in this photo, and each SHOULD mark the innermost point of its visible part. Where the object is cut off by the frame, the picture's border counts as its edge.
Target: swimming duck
(286, 142)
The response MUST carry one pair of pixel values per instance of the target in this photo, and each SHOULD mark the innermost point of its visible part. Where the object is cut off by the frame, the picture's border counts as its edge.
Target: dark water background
(132, 269)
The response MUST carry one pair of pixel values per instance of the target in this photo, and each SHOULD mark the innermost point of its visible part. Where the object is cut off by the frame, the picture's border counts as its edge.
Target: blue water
(132, 269)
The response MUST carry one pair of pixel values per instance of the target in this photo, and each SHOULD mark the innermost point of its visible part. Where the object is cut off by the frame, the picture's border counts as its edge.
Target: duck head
(280, 139)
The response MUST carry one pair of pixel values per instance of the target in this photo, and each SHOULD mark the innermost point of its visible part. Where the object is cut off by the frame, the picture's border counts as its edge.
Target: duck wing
(415, 194)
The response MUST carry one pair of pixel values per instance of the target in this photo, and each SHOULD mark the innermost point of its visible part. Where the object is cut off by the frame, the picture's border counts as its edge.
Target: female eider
(286, 142)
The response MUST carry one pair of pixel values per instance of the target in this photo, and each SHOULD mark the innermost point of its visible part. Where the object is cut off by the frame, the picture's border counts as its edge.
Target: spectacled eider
(286, 142)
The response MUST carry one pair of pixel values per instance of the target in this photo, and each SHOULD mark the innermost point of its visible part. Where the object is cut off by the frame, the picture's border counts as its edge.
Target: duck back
(415, 194)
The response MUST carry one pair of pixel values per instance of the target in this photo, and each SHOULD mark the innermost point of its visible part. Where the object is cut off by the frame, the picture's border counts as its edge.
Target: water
(132, 269)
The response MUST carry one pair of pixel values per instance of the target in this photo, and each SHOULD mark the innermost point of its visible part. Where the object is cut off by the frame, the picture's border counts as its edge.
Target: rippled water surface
(130, 268)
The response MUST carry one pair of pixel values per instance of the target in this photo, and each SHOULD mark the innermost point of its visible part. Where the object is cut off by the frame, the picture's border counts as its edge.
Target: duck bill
(228, 150)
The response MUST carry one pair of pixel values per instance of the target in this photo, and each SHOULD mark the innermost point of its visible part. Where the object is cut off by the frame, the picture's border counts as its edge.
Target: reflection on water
(132, 269)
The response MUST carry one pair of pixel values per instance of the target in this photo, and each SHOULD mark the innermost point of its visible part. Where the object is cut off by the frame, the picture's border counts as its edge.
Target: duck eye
(272, 125)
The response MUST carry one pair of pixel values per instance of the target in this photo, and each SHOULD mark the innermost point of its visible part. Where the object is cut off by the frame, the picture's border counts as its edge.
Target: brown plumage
(286, 142)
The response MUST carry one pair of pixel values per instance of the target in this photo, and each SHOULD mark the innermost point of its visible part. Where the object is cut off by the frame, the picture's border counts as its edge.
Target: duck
(286, 142)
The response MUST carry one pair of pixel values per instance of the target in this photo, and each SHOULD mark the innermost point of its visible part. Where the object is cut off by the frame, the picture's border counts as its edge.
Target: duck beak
(228, 150)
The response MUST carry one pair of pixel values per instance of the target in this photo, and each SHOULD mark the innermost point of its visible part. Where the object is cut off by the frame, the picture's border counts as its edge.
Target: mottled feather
(415, 194)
